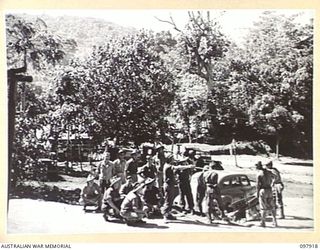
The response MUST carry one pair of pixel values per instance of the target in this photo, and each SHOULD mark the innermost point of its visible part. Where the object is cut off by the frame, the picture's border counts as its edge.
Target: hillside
(85, 31)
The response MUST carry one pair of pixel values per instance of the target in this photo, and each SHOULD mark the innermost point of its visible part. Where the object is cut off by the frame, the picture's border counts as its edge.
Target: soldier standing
(277, 188)
(185, 189)
(120, 165)
(169, 189)
(106, 171)
(169, 182)
(148, 170)
(159, 161)
(212, 193)
(265, 179)
(132, 166)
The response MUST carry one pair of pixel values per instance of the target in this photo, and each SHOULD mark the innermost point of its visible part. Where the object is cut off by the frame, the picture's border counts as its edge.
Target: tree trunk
(210, 84)
(68, 148)
(277, 146)
(233, 152)
(80, 153)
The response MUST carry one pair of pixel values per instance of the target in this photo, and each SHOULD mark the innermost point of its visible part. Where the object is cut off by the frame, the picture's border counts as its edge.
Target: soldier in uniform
(106, 171)
(126, 187)
(185, 188)
(168, 189)
(212, 194)
(133, 208)
(132, 166)
(90, 194)
(265, 179)
(277, 188)
(120, 165)
(159, 161)
(148, 170)
(169, 182)
(112, 199)
(201, 189)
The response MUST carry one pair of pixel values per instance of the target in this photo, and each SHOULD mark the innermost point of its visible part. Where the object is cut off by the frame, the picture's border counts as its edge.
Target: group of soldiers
(131, 189)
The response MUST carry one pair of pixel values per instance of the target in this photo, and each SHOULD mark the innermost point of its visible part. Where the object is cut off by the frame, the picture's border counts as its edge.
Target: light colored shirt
(277, 177)
(119, 166)
(90, 191)
(265, 179)
(106, 170)
(131, 202)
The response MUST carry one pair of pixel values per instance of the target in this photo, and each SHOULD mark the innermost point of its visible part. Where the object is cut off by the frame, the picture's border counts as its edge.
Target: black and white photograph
(161, 121)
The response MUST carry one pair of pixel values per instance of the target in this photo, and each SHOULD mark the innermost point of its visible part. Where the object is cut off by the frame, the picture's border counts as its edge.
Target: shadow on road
(146, 225)
(92, 211)
(150, 225)
(116, 221)
(214, 223)
(305, 164)
(189, 222)
(293, 227)
(297, 218)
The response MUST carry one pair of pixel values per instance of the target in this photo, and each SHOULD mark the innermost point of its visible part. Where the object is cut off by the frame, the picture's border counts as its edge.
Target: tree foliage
(29, 46)
(203, 45)
(122, 90)
(265, 85)
(190, 106)
(201, 51)
(272, 79)
(31, 40)
(127, 85)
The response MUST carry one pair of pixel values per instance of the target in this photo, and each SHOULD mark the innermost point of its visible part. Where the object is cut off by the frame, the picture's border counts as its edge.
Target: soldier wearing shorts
(265, 179)
(212, 195)
(277, 188)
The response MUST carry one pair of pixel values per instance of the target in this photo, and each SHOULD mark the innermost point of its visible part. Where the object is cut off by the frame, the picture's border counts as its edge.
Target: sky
(235, 23)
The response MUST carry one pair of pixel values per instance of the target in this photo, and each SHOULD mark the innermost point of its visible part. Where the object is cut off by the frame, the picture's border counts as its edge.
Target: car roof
(223, 173)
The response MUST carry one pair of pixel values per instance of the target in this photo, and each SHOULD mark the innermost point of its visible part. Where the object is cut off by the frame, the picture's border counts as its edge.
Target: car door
(231, 187)
(247, 188)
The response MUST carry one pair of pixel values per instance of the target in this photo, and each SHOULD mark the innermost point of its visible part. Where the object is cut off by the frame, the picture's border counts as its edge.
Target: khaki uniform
(113, 195)
(264, 182)
(159, 163)
(212, 193)
(132, 207)
(277, 188)
(106, 171)
(131, 169)
(168, 190)
(119, 169)
(265, 179)
(90, 195)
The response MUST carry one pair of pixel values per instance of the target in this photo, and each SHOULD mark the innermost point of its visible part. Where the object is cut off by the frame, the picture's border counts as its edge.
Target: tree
(121, 91)
(272, 118)
(29, 45)
(190, 105)
(202, 45)
(31, 40)
(273, 77)
(203, 49)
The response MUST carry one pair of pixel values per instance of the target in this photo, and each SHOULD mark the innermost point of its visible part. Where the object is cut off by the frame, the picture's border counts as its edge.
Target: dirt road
(35, 216)
(45, 217)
